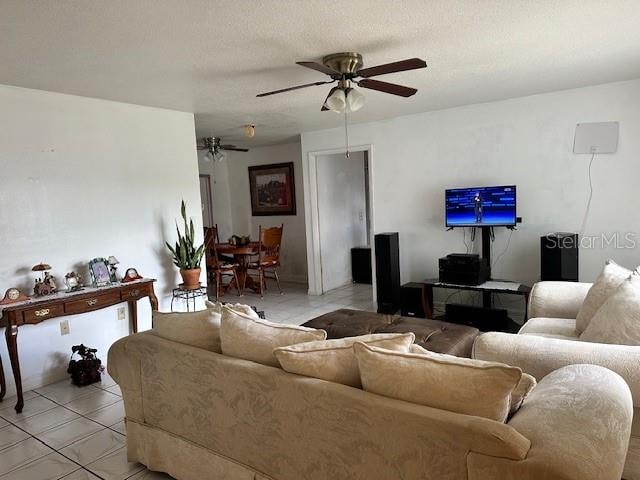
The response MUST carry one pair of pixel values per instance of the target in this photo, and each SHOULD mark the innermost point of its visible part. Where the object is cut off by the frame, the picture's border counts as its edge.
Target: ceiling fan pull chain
(346, 135)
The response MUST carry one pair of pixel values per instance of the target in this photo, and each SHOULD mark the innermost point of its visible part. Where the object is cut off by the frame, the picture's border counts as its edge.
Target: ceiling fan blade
(392, 88)
(293, 88)
(320, 68)
(401, 66)
(233, 148)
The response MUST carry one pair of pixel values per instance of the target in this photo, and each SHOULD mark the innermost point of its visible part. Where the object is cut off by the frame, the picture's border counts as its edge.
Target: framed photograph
(272, 189)
(99, 271)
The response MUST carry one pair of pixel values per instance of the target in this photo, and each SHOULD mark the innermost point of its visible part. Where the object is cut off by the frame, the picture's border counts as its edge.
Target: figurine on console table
(73, 281)
(45, 285)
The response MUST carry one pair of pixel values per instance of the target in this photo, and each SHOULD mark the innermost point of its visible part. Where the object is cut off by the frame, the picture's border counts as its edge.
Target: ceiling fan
(346, 68)
(216, 150)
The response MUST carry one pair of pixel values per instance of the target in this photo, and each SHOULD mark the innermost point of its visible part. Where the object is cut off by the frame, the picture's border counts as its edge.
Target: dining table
(242, 256)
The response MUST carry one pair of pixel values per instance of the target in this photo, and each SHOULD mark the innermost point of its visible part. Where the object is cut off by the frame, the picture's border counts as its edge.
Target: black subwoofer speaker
(388, 272)
(559, 257)
(411, 300)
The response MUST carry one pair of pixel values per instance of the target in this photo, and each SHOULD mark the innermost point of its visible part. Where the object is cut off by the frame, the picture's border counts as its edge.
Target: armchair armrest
(557, 299)
(578, 419)
(539, 356)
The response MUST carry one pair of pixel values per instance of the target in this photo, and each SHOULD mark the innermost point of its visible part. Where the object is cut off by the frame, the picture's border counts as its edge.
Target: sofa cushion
(551, 327)
(254, 339)
(200, 329)
(461, 385)
(520, 393)
(618, 320)
(335, 360)
(238, 307)
(611, 277)
(524, 387)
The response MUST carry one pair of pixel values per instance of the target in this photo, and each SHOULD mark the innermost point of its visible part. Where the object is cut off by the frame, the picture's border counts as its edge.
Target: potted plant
(185, 254)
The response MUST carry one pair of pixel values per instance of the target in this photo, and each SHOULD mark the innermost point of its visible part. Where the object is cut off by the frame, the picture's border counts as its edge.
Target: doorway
(206, 200)
(344, 218)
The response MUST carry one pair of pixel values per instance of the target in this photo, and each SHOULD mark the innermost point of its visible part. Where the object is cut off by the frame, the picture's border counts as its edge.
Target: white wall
(342, 216)
(220, 195)
(235, 216)
(526, 141)
(84, 178)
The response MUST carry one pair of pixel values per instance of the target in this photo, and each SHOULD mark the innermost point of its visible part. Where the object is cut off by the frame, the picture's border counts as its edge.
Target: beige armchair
(549, 341)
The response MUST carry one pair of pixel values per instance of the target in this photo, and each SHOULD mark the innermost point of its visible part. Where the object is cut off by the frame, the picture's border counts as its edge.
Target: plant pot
(190, 278)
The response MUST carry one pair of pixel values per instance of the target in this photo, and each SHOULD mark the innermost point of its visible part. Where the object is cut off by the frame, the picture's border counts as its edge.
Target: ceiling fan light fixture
(337, 101)
(218, 156)
(355, 99)
(250, 130)
(208, 156)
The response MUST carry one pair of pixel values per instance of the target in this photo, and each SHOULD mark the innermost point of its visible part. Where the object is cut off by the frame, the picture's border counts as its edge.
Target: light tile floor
(296, 306)
(71, 433)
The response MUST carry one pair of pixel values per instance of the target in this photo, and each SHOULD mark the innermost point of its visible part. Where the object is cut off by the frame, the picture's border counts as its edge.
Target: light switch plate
(120, 313)
(64, 327)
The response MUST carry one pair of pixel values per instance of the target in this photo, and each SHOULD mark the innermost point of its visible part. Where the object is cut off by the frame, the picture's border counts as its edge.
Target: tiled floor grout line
(58, 450)
(42, 442)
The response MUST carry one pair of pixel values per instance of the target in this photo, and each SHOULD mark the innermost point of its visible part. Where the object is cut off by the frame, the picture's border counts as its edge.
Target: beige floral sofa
(197, 414)
(549, 340)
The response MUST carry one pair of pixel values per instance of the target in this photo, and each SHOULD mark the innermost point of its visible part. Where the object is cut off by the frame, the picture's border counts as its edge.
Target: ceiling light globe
(218, 156)
(249, 131)
(355, 100)
(208, 156)
(337, 101)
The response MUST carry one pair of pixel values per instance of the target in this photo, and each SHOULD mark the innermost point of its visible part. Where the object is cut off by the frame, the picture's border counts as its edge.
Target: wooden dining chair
(217, 267)
(269, 241)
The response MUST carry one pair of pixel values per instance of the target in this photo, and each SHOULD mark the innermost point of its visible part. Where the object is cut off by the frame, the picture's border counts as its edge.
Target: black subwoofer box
(411, 300)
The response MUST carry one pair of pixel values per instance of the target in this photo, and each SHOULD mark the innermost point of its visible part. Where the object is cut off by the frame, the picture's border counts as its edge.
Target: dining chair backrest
(270, 240)
(211, 241)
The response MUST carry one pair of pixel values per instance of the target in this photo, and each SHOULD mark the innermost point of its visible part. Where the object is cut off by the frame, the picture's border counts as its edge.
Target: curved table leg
(3, 383)
(11, 333)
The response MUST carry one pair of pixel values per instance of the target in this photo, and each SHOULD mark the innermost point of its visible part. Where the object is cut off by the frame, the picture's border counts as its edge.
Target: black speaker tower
(559, 257)
(388, 272)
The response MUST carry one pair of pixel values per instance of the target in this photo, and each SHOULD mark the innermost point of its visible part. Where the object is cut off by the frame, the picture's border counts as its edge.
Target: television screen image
(480, 206)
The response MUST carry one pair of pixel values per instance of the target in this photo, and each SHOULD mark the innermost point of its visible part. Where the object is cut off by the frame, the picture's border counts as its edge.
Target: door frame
(207, 177)
(312, 220)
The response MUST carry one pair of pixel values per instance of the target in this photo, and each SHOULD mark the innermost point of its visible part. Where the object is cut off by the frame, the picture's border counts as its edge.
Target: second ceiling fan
(215, 151)
(346, 69)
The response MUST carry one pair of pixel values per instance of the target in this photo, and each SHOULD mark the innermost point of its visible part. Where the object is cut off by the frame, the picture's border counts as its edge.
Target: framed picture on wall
(272, 189)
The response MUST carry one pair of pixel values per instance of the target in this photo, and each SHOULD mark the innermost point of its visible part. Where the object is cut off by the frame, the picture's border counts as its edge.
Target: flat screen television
(481, 207)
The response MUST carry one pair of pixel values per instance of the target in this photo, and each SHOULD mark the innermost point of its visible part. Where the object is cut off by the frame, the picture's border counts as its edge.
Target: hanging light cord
(346, 134)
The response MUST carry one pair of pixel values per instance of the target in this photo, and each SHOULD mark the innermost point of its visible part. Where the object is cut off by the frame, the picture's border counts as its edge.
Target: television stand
(487, 289)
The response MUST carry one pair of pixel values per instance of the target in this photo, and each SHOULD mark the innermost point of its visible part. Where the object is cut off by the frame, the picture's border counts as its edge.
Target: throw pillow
(238, 307)
(522, 390)
(611, 277)
(334, 360)
(200, 329)
(254, 339)
(618, 320)
(460, 385)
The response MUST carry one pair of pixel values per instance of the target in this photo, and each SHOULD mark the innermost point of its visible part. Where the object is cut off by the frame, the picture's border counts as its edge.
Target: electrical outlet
(120, 313)
(64, 327)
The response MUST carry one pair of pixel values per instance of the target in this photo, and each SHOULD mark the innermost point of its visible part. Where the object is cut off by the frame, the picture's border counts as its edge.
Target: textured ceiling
(213, 57)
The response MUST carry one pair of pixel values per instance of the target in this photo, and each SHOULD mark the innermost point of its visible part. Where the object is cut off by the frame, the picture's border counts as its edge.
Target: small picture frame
(99, 271)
